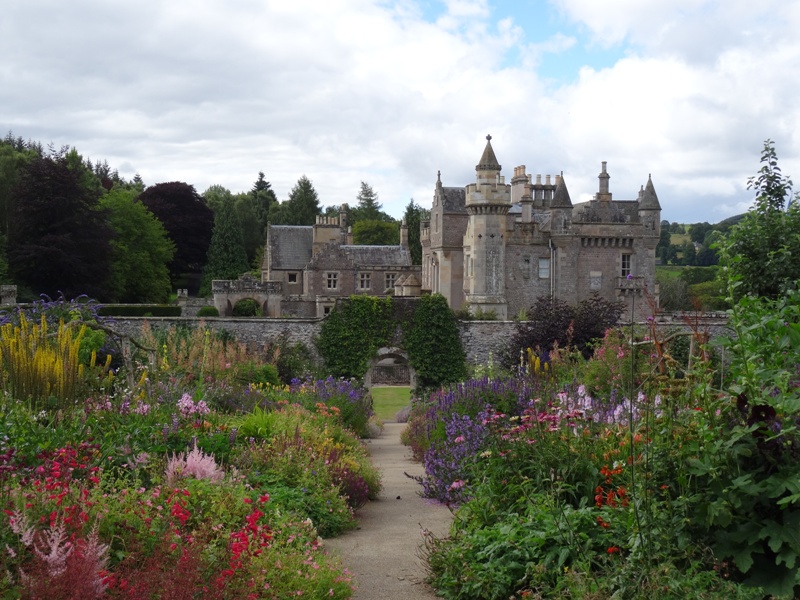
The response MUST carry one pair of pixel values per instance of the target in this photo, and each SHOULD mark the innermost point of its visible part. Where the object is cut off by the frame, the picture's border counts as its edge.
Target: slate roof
(454, 200)
(290, 246)
(379, 256)
(488, 160)
(649, 199)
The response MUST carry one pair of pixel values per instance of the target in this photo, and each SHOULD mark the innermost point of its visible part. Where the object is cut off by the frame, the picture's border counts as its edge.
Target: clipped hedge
(139, 310)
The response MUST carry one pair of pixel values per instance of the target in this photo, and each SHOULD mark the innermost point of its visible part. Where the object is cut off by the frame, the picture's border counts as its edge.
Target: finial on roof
(649, 200)
(488, 160)
(439, 175)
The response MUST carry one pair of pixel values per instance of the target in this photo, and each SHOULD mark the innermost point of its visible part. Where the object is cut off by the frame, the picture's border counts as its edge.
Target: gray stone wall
(479, 338)
(255, 333)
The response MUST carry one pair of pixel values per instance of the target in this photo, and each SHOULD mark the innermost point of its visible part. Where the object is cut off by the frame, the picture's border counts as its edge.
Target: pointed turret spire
(649, 200)
(561, 197)
(488, 160)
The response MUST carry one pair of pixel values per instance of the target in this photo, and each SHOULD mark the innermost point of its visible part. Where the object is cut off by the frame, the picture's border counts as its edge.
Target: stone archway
(267, 295)
(390, 366)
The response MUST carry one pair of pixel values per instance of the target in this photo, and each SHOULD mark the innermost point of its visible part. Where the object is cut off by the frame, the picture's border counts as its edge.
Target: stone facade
(315, 265)
(496, 247)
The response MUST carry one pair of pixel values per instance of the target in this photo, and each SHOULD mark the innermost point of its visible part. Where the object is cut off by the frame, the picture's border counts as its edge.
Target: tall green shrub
(433, 343)
(353, 333)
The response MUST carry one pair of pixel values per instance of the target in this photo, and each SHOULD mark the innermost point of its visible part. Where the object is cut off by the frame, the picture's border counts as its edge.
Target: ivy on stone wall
(433, 343)
(357, 327)
(353, 333)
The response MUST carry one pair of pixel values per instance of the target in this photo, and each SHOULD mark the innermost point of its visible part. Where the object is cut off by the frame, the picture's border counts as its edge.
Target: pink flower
(459, 439)
(456, 485)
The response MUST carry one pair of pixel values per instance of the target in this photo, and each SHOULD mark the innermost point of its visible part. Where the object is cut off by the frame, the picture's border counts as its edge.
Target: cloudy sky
(391, 91)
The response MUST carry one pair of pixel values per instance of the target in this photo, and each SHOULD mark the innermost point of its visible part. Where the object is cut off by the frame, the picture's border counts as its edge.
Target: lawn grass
(386, 401)
(669, 271)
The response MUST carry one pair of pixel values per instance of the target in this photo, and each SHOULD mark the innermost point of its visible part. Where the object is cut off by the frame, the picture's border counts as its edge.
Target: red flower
(613, 550)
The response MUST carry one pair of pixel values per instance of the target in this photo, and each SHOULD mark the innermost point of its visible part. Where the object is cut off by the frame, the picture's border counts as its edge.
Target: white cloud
(211, 92)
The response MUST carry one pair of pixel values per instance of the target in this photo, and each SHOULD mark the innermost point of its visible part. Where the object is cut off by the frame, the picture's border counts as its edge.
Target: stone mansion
(489, 246)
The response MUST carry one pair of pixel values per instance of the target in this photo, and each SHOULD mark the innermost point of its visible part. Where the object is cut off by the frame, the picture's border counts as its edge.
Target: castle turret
(560, 208)
(650, 209)
(487, 203)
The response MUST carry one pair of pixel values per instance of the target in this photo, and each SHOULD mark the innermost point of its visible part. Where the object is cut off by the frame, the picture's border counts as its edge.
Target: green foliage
(479, 314)
(257, 374)
(139, 310)
(60, 240)
(762, 250)
(352, 334)
(189, 222)
(208, 311)
(709, 295)
(432, 341)
(373, 232)
(413, 216)
(552, 322)
(141, 250)
(294, 361)
(301, 208)
(367, 206)
(227, 258)
(746, 470)
(247, 308)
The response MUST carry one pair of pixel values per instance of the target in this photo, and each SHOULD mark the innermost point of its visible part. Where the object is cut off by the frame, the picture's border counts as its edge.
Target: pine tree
(301, 208)
(264, 197)
(367, 206)
(227, 258)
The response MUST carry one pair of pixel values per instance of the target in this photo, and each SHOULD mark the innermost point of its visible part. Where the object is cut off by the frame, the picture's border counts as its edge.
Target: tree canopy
(413, 216)
(762, 251)
(227, 258)
(141, 250)
(60, 240)
(301, 208)
(188, 220)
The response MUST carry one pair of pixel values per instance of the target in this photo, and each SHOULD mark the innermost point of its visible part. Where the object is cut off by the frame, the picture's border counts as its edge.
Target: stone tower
(487, 202)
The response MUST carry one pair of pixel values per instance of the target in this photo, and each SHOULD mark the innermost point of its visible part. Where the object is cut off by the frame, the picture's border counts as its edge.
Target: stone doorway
(390, 367)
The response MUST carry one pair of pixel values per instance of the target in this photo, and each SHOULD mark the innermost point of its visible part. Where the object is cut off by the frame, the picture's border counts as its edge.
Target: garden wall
(479, 338)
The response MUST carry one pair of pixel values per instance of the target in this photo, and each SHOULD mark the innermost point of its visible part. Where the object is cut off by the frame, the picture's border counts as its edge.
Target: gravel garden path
(383, 553)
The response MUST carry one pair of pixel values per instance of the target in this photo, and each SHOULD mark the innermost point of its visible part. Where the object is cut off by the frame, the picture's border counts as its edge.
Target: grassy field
(669, 271)
(386, 401)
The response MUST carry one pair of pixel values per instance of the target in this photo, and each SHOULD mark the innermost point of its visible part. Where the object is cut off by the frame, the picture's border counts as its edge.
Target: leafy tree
(216, 195)
(413, 216)
(662, 249)
(376, 233)
(227, 258)
(689, 254)
(12, 158)
(552, 321)
(673, 293)
(188, 221)
(141, 250)
(301, 208)
(698, 231)
(59, 241)
(762, 251)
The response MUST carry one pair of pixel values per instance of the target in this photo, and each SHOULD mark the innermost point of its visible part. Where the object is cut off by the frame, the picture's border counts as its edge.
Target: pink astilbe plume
(194, 464)
(65, 567)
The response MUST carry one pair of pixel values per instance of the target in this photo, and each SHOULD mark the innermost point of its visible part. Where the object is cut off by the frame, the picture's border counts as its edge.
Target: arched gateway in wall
(228, 292)
(390, 367)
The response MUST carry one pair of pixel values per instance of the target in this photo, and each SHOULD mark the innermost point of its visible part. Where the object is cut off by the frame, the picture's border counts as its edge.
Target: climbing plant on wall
(433, 344)
(353, 333)
(358, 327)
